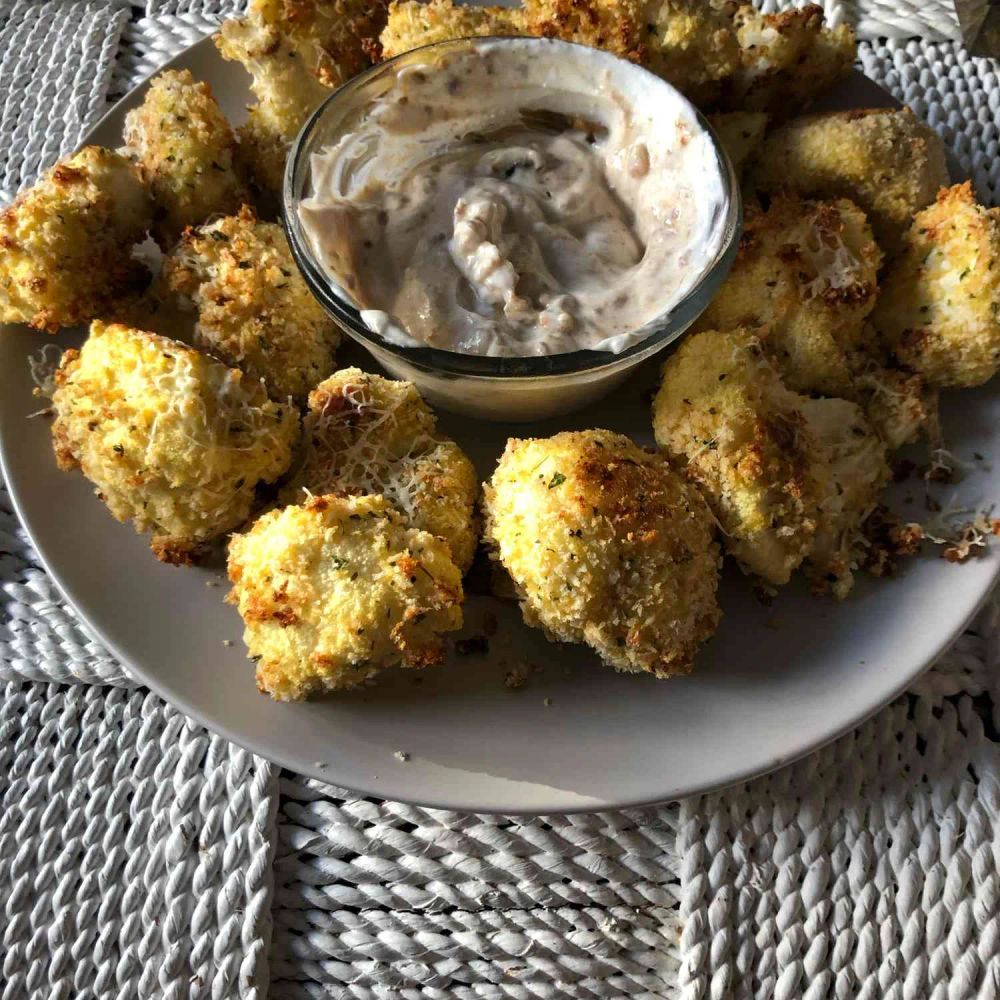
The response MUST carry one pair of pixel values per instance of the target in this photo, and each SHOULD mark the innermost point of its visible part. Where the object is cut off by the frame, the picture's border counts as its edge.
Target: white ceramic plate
(773, 684)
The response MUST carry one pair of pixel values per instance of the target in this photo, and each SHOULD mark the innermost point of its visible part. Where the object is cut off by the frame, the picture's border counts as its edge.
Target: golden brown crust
(365, 434)
(253, 306)
(296, 51)
(939, 311)
(887, 162)
(786, 60)
(412, 24)
(724, 416)
(65, 242)
(807, 271)
(337, 588)
(175, 551)
(185, 152)
(606, 546)
(173, 440)
(616, 26)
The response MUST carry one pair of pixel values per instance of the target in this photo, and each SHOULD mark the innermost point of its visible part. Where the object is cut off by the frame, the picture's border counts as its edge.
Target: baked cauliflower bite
(173, 440)
(887, 162)
(901, 405)
(411, 24)
(854, 474)
(286, 93)
(608, 546)
(66, 242)
(808, 271)
(334, 37)
(692, 44)
(724, 416)
(616, 26)
(939, 311)
(365, 434)
(184, 149)
(338, 588)
(254, 307)
(296, 52)
(786, 59)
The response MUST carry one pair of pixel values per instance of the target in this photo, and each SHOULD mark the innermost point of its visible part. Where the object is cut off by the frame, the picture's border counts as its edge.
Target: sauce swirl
(518, 197)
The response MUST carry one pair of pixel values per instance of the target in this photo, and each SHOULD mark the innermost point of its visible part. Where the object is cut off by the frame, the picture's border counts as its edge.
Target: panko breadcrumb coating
(372, 435)
(608, 546)
(296, 51)
(184, 149)
(411, 24)
(616, 26)
(173, 440)
(724, 416)
(65, 242)
(900, 404)
(856, 470)
(692, 44)
(254, 307)
(786, 59)
(939, 311)
(338, 588)
(887, 162)
(808, 271)
(286, 92)
(741, 133)
(334, 37)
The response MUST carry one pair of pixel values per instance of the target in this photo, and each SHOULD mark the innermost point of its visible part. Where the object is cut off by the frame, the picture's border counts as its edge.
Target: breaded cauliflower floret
(939, 311)
(606, 545)
(338, 588)
(412, 24)
(173, 440)
(617, 26)
(741, 133)
(65, 242)
(692, 44)
(900, 404)
(254, 308)
(808, 271)
(786, 59)
(723, 414)
(296, 51)
(334, 37)
(887, 162)
(855, 471)
(184, 149)
(287, 93)
(371, 435)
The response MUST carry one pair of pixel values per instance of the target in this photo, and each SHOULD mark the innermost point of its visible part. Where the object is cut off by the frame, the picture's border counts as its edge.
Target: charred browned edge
(176, 551)
(274, 606)
(66, 176)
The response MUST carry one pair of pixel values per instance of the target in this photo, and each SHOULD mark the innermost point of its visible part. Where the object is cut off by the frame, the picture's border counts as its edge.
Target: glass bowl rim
(667, 328)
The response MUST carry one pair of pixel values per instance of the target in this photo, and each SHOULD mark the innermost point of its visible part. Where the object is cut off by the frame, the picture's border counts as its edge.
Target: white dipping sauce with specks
(518, 198)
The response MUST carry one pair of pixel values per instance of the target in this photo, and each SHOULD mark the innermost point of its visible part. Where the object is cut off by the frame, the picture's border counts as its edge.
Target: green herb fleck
(557, 480)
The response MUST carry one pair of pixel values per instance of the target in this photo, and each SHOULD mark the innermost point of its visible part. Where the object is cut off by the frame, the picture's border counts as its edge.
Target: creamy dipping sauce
(518, 197)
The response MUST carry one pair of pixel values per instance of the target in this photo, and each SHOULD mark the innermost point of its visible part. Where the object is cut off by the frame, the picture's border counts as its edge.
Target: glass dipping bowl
(492, 388)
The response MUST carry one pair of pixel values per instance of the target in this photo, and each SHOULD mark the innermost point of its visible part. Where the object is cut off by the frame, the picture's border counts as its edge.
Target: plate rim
(677, 789)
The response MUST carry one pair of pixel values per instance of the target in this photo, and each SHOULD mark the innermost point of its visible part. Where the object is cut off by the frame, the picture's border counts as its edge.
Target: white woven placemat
(135, 848)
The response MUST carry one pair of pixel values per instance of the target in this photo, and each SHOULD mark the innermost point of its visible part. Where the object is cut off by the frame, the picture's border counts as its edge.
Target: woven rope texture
(869, 870)
(135, 851)
(55, 65)
(380, 899)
